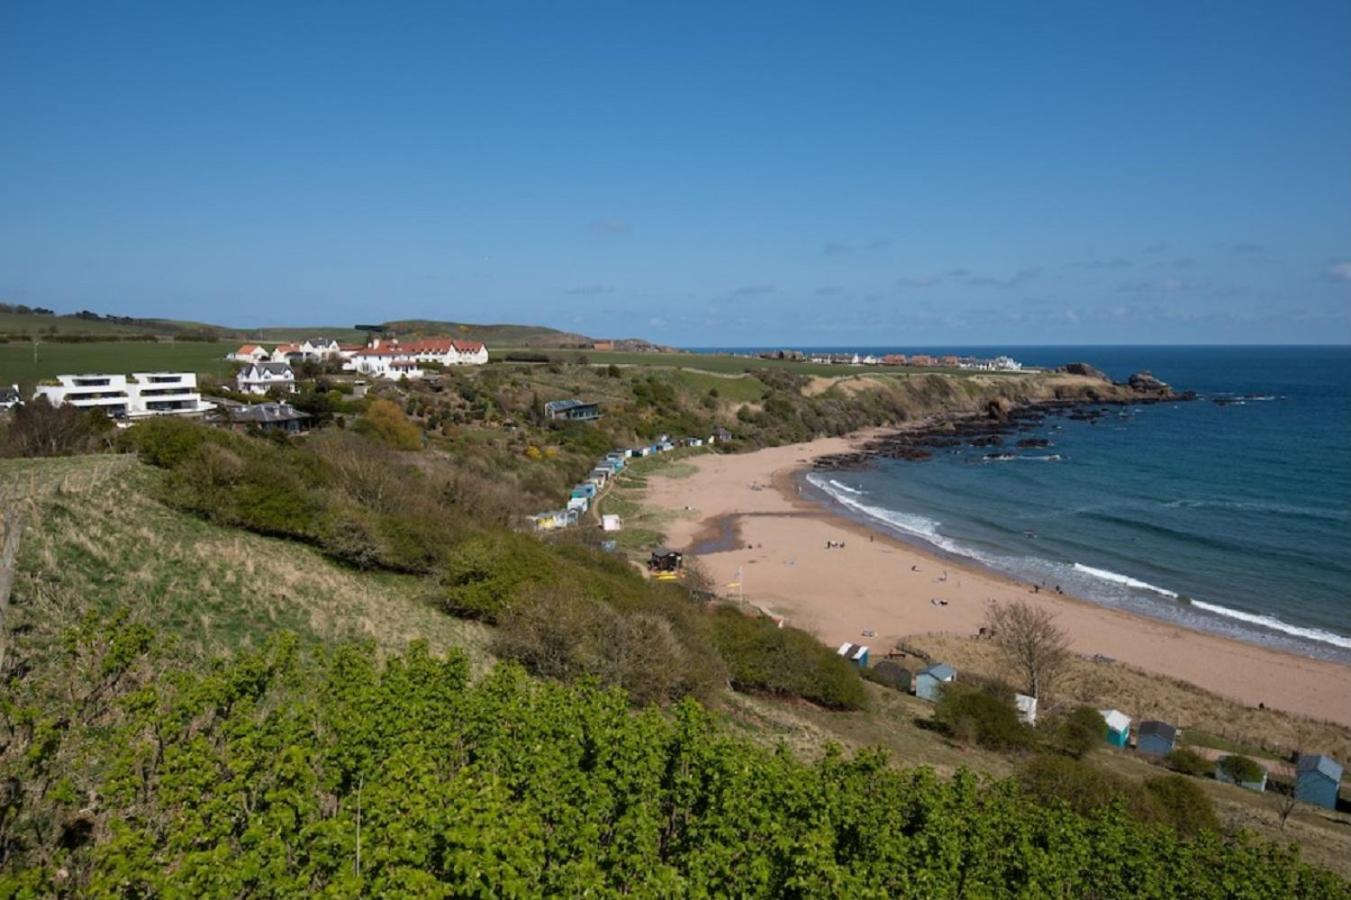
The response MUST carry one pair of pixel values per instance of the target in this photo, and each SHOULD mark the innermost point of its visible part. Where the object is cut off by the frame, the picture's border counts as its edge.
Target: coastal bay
(749, 514)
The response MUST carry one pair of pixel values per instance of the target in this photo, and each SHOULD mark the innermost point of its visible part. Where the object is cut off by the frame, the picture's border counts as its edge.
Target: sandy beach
(746, 512)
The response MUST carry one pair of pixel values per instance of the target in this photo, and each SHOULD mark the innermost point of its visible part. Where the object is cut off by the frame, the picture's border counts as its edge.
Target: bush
(387, 421)
(561, 633)
(1241, 769)
(1188, 762)
(1084, 787)
(39, 429)
(1182, 804)
(485, 574)
(763, 657)
(1079, 733)
(983, 716)
(164, 442)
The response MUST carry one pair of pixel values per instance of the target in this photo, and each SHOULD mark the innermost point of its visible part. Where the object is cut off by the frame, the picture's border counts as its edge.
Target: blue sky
(851, 173)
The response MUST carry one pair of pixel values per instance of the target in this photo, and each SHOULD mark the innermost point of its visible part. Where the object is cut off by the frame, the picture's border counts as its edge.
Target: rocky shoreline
(1001, 422)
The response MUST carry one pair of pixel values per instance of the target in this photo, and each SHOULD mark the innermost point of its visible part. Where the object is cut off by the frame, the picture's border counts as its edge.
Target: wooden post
(8, 559)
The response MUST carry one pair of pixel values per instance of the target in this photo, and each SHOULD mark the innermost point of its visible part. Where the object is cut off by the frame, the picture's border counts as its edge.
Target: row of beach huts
(584, 494)
(1317, 777)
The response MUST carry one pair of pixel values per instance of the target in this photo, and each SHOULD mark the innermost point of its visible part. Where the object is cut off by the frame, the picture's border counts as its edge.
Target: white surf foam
(910, 523)
(1275, 624)
(1128, 581)
(845, 487)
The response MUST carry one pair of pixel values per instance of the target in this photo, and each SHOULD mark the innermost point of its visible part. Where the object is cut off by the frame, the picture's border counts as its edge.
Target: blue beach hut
(930, 680)
(1317, 779)
(1155, 738)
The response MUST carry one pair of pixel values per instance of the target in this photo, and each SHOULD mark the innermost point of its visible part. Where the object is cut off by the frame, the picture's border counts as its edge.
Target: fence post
(8, 559)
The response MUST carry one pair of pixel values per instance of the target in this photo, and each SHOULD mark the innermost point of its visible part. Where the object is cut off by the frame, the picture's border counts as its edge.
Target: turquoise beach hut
(1118, 727)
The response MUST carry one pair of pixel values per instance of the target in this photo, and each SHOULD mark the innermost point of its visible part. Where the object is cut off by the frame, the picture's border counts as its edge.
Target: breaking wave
(910, 523)
(1107, 575)
(1275, 624)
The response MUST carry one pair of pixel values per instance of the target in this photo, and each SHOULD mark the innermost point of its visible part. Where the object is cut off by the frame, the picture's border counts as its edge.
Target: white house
(138, 395)
(445, 351)
(261, 377)
(288, 353)
(386, 363)
(250, 353)
(320, 348)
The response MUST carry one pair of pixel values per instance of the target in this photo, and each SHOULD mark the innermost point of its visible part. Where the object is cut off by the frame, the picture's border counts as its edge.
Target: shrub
(1183, 804)
(39, 429)
(983, 716)
(561, 633)
(163, 442)
(485, 574)
(1188, 762)
(1079, 733)
(1085, 788)
(1241, 769)
(387, 421)
(763, 657)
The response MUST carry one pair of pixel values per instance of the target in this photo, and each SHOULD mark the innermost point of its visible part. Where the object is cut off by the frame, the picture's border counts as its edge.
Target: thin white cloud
(1339, 270)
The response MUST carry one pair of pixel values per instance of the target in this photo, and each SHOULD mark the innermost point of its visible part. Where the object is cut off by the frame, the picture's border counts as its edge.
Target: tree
(1030, 641)
(1241, 769)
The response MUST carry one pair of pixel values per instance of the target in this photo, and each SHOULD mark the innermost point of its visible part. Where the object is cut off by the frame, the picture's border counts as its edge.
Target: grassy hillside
(97, 540)
(17, 324)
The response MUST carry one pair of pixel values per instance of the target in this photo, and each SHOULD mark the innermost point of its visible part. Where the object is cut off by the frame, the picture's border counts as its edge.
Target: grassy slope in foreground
(96, 540)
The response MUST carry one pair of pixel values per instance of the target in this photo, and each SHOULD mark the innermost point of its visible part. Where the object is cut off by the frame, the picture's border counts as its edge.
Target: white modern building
(134, 396)
(261, 377)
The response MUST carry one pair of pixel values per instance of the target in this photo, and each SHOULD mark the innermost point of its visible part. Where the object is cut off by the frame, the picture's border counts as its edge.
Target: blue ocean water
(1232, 517)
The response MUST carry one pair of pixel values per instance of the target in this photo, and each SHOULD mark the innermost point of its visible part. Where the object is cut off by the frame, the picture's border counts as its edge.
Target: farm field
(19, 365)
(726, 364)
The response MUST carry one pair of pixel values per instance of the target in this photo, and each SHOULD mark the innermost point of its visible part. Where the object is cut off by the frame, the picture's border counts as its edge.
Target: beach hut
(930, 680)
(1027, 708)
(1155, 738)
(891, 674)
(610, 522)
(854, 653)
(1317, 779)
(1259, 784)
(665, 564)
(599, 475)
(585, 489)
(581, 504)
(1118, 727)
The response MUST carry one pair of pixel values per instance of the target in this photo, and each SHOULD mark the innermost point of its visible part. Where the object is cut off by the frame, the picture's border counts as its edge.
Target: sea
(1229, 514)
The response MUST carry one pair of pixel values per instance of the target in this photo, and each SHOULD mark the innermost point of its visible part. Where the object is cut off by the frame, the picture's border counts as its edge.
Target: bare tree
(1030, 641)
(1283, 800)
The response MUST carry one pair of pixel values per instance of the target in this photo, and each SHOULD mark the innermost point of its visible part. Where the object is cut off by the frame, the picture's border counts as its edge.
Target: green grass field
(727, 364)
(25, 364)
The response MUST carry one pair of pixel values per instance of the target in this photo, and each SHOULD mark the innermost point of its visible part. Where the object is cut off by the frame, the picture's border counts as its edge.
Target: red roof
(467, 346)
(287, 348)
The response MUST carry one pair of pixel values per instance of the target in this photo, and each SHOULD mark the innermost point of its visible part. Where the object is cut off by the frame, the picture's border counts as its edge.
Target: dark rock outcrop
(1146, 383)
(1082, 368)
